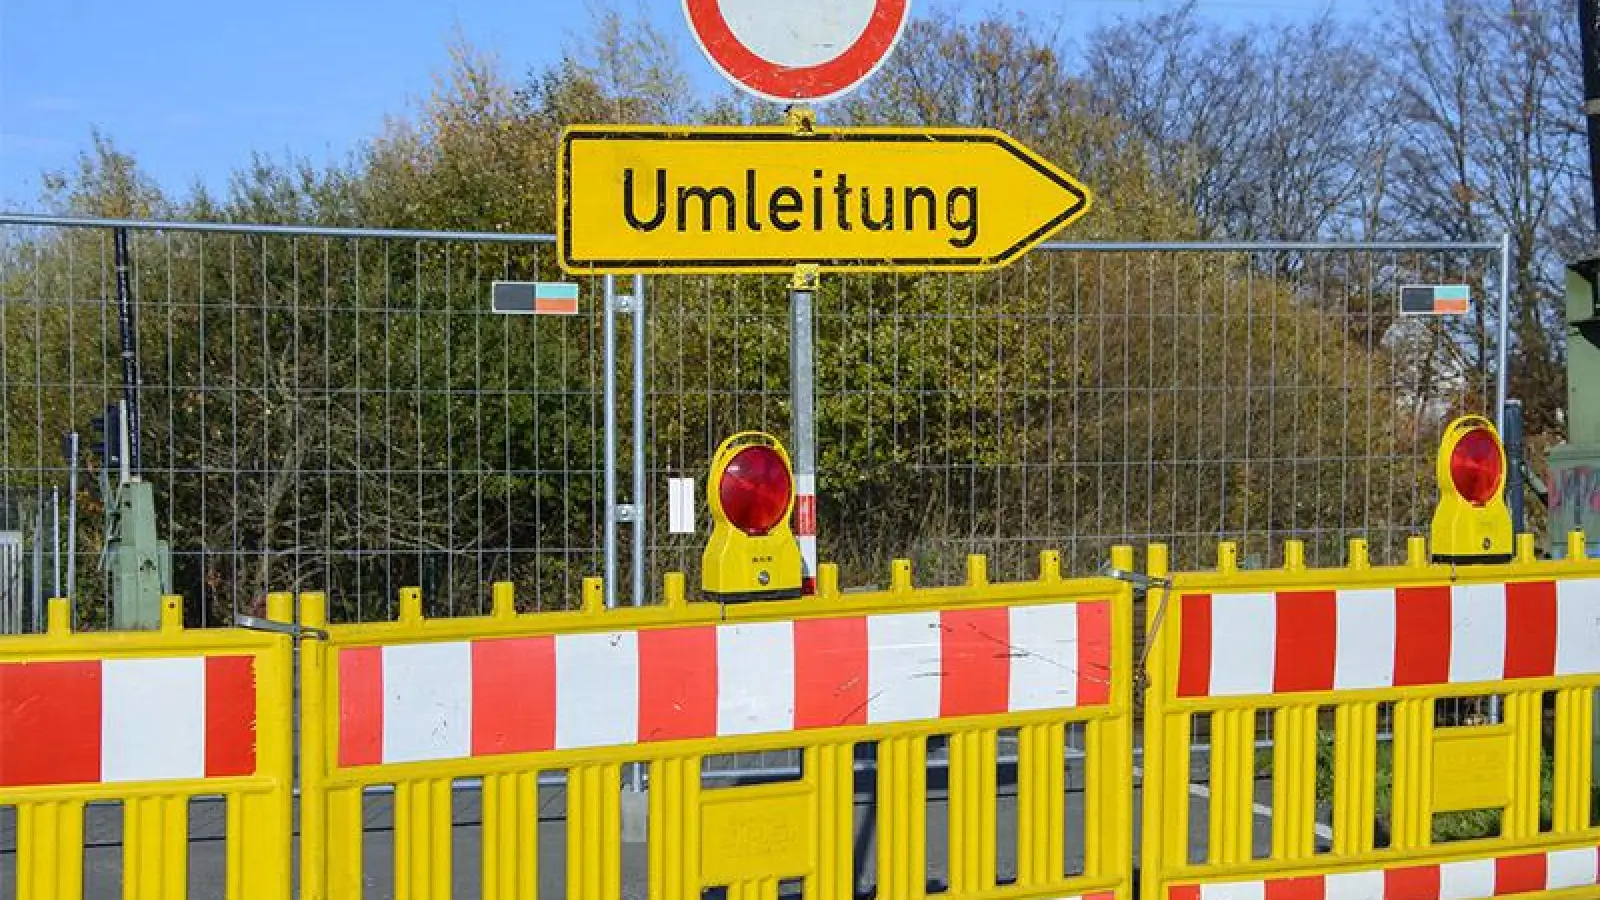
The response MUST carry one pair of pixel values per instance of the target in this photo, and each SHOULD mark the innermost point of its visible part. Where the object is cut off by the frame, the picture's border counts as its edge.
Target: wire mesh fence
(341, 410)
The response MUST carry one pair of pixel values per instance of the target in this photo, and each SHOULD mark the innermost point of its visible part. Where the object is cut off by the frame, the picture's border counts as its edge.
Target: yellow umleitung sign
(727, 199)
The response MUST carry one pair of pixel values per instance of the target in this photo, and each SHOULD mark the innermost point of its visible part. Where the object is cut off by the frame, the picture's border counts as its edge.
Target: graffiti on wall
(1575, 499)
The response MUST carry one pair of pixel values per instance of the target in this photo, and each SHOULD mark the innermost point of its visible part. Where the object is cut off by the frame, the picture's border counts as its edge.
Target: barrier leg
(50, 849)
(902, 818)
(835, 768)
(1041, 804)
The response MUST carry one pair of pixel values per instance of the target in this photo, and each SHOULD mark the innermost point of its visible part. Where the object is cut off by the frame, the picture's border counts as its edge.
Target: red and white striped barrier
(1475, 879)
(122, 720)
(1293, 641)
(417, 702)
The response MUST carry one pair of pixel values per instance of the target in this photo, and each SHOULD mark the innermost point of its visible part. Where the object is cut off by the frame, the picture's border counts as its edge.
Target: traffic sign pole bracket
(803, 119)
(806, 277)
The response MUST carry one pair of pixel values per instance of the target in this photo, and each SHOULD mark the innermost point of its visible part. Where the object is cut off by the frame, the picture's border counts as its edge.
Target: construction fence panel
(142, 740)
(1495, 804)
(590, 737)
(341, 409)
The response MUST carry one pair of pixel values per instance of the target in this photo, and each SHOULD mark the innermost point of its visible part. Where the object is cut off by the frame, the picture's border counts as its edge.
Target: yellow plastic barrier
(150, 720)
(420, 703)
(1347, 650)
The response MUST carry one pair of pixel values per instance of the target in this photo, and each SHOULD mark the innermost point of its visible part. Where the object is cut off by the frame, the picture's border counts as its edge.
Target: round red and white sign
(796, 50)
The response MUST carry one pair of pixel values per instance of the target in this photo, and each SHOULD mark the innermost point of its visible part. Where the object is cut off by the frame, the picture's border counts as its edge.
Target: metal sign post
(802, 374)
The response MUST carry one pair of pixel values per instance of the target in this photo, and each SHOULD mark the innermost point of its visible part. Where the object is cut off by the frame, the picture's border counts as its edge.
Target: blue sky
(192, 87)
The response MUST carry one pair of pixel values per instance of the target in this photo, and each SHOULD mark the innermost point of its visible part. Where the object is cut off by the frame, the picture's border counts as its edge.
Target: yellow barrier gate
(149, 720)
(1343, 651)
(421, 703)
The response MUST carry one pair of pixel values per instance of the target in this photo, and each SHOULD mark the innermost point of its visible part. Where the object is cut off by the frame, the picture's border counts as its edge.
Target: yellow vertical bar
(594, 832)
(1232, 762)
(1294, 782)
(340, 844)
(1175, 767)
(1413, 773)
(1041, 804)
(155, 847)
(1525, 717)
(508, 854)
(835, 768)
(1164, 838)
(1355, 777)
(442, 809)
(527, 846)
(407, 866)
(1574, 758)
(260, 849)
(498, 834)
(314, 736)
(1110, 743)
(902, 821)
(675, 828)
(50, 849)
(238, 861)
(1108, 837)
(964, 827)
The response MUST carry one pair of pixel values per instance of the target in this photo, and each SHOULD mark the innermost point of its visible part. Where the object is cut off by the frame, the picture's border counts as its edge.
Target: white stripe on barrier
(1353, 886)
(597, 689)
(1044, 657)
(755, 678)
(1578, 627)
(1364, 643)
(1471, 879)
(427, 701)
(153, 719)
(1477, 632)
(1243, 643)
(1571, 868)
(903, 662)
(1248, 890)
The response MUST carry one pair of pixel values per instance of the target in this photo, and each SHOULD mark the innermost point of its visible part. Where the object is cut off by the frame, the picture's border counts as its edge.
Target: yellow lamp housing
(1472, 523)
(752, 554)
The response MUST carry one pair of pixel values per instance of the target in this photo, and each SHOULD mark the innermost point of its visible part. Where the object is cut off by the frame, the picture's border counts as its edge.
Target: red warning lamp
(755, 490)
(1472, 523)
(752, 554)
(1476, 467)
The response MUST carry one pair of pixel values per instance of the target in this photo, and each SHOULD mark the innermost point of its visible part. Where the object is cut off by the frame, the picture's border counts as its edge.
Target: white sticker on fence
(680, 505)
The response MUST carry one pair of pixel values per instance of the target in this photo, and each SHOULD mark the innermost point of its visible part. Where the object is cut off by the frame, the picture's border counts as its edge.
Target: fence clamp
(1137, 579)
(298, 632)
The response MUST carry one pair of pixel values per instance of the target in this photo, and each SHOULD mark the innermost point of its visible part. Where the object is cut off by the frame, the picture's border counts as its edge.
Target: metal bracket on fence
(1137, 579)
(298, 632)
(1141, 675)
(627, 512)
(624, 303)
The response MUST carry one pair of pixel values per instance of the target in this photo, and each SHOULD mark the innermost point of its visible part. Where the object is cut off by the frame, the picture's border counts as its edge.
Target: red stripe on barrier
(1415, 883)
(1184, 892)
(513, 695)
(1194, 650)
(230, 716)
(830, 672)
(1307, 641)
(975, 650)
(1531, 629)
(1421, 635)
(1094, 654)
(1307, 888)
(49, 723)
(1519, 874)
(677, 684)
(361, 706)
